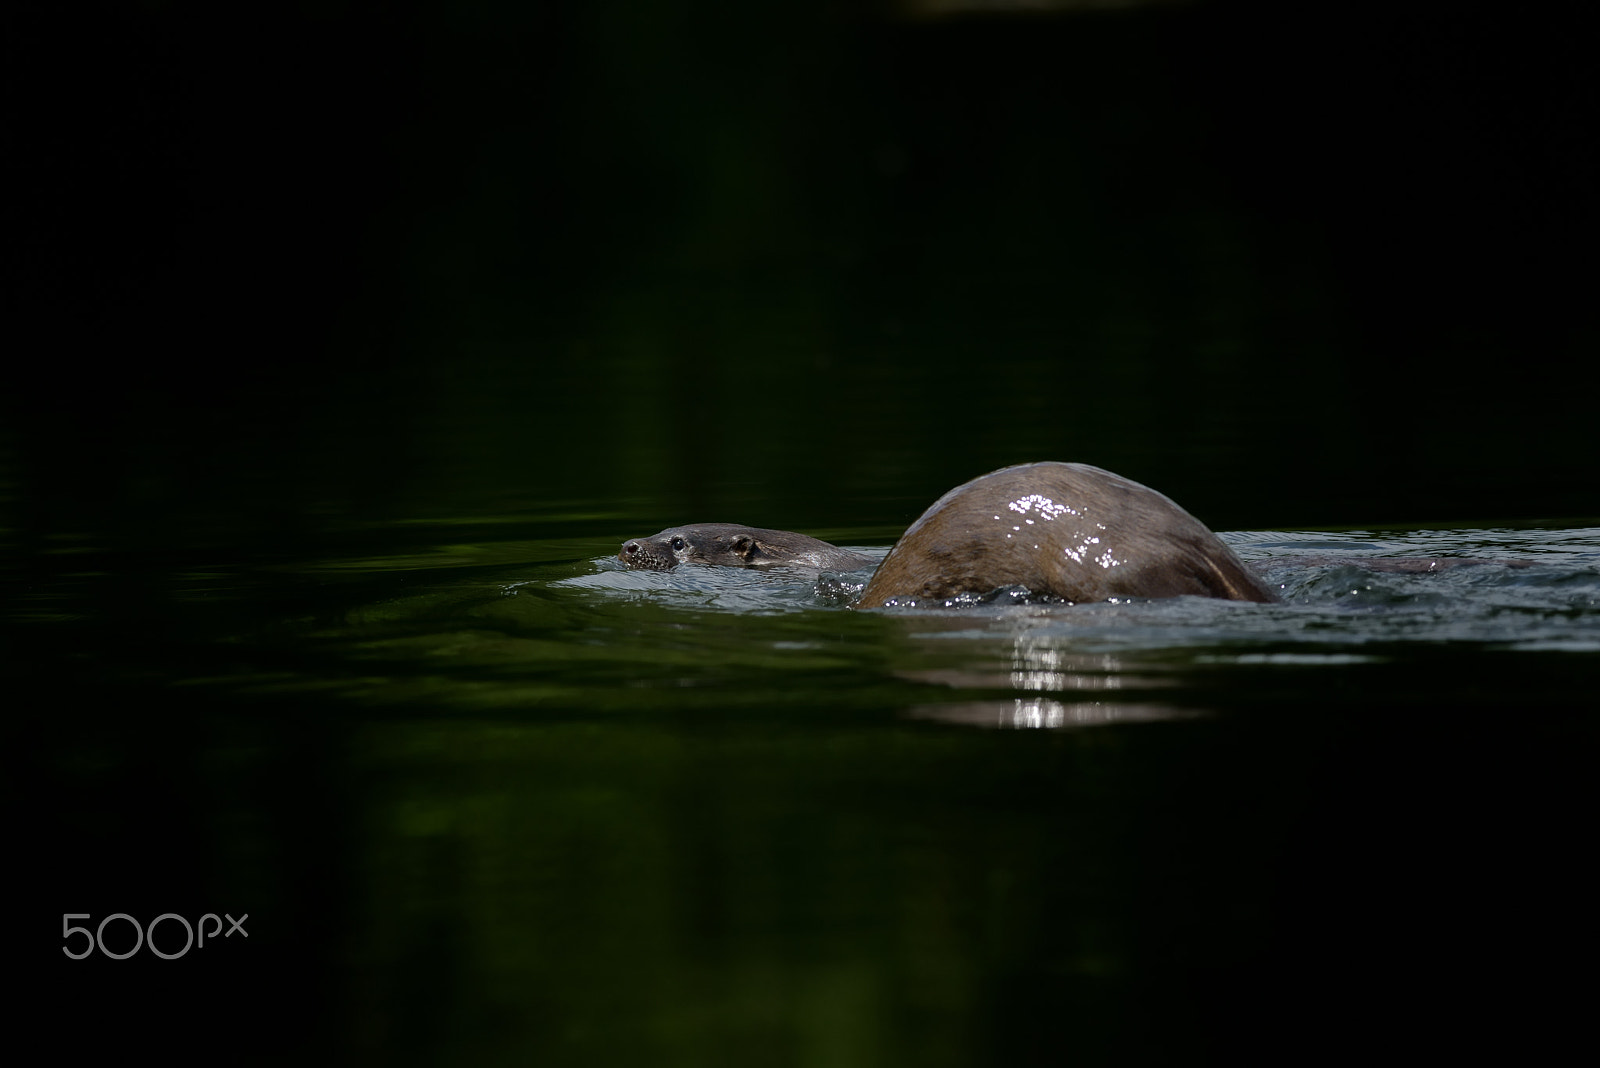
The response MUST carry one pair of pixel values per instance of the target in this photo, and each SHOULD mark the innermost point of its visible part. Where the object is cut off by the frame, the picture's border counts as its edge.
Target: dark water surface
(497, 798)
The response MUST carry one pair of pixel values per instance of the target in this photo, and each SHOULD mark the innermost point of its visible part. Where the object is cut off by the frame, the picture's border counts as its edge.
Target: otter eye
(677, 545)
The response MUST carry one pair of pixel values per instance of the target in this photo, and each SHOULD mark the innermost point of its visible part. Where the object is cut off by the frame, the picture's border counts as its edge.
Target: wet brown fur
(1067, 530)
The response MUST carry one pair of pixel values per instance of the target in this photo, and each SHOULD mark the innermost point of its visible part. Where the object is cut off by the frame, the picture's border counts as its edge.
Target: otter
(1064, 530)
(1070, 531)
(731, 545)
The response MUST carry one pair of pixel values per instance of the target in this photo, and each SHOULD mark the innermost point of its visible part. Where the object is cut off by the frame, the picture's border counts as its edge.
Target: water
(583, 628)
(510, 624)
(501, 798)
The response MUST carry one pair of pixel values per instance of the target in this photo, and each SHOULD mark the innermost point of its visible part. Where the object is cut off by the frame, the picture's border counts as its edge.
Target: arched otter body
(1067, 530)
(732, 545)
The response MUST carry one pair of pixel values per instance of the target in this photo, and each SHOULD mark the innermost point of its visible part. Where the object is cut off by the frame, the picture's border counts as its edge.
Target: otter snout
(641, 555)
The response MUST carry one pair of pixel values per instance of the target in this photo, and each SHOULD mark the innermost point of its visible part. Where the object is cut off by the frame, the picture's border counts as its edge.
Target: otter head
(712, 543)
(660, 553)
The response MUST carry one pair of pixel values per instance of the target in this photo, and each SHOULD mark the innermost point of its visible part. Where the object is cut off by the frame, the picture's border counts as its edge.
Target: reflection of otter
(1067, 530)
(731, 545)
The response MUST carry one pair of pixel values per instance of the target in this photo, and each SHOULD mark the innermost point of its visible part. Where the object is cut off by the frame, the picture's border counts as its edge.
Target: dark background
(1321, 266)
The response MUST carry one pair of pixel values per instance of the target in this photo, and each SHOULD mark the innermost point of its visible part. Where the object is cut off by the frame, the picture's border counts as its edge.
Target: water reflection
(1042, 664)
(1046, 713)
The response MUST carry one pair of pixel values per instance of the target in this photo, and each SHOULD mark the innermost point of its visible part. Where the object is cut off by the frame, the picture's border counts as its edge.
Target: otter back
(1067, 530)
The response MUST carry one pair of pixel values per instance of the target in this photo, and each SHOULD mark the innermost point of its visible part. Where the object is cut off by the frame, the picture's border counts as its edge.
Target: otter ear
(744, 547)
